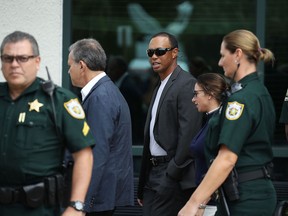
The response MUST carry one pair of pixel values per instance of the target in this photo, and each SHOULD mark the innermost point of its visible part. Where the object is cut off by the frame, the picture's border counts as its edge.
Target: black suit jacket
(177, 122)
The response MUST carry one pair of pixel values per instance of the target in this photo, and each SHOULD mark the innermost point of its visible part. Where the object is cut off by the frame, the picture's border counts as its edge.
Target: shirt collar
(163, 82)
(87, 88)
(4, 89)
(213, 110)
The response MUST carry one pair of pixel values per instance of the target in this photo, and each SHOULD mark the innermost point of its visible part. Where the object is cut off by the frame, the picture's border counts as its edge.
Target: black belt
(156, 160)
(255, 174)
(48, 191)
(9, 195)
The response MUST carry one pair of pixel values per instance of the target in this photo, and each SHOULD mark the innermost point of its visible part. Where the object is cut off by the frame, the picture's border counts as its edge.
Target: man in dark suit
(167, 171)
(109, 119)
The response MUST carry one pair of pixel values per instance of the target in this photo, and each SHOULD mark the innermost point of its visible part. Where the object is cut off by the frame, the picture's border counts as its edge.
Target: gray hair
(91, 52)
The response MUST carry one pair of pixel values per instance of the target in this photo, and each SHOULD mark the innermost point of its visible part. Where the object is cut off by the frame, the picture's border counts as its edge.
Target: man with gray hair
(109, 118)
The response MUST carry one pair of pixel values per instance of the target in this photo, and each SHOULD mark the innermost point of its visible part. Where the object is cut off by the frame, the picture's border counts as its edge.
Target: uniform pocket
(30, 131)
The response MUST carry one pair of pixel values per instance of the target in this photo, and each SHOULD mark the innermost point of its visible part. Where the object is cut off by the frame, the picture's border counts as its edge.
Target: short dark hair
(172, 39)
(17, 36)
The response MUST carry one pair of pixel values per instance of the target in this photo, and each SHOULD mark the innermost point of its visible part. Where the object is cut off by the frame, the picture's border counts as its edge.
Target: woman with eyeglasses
(210, 90)
(239, 138)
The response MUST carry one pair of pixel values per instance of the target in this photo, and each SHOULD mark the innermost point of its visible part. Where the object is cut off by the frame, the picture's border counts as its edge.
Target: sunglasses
(19, 59)
(158, 51)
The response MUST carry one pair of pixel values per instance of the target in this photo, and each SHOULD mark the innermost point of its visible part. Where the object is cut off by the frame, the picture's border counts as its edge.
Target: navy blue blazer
(109, 119)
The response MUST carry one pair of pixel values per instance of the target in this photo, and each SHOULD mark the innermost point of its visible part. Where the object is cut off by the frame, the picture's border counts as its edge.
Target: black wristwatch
(77, 205)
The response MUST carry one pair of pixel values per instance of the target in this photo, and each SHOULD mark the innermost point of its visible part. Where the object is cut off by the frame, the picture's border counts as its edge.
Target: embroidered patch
(75, 109)
(234, 110)
(85, 129)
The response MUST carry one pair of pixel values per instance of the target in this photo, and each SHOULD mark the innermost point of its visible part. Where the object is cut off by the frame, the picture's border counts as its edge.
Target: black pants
(103, 213)
(163, 195)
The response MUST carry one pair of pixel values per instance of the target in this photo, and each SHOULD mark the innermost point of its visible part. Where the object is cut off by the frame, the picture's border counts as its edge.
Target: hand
(189, 210)
(69, 211)
(140, 202)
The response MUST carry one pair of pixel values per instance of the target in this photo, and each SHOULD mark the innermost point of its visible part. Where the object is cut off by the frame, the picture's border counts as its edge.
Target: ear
(82, 68)
(175, 53)
(82, 64)
(238, 53)
(38, 60)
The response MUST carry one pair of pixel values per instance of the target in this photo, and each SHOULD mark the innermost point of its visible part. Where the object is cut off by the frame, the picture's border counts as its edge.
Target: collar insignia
(35, 105)
(234, 110)
(75, 109)
(235, 87)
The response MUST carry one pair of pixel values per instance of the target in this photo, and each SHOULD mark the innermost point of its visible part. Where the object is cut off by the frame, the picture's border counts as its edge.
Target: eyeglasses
(19, 59)
(158, 51)
(195, 93)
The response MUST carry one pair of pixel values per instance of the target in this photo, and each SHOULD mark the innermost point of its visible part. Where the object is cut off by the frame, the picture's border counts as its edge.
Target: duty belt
(30, 195)
(49, 192)
(156, 160)
(255, 174)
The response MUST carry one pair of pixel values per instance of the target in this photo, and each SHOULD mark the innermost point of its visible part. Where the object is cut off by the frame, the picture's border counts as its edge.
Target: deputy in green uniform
(284, 114)
(33, 136)
(240, 136)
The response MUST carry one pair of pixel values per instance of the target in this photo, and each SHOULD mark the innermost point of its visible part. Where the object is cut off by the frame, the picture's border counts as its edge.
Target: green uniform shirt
(29, 145)
(284, 112)
(245, 124)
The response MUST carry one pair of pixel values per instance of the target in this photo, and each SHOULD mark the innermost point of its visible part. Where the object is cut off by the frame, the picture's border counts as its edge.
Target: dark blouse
(197, 151)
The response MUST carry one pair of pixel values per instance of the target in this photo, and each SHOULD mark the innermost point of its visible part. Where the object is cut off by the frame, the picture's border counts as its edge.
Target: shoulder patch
(234, 110)
(74, 108)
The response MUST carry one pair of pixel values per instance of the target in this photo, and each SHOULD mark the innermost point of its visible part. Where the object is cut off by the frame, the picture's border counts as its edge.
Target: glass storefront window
(124, 28)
